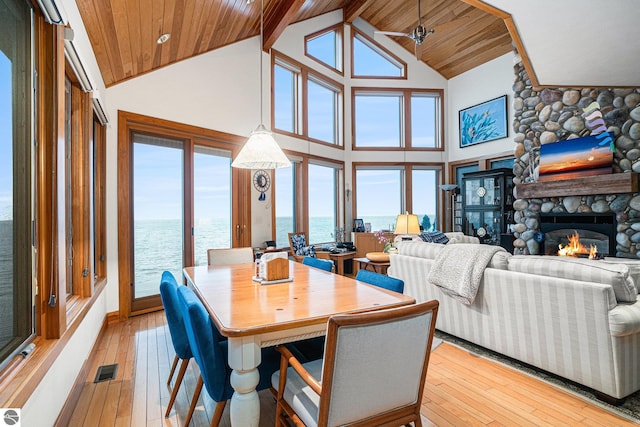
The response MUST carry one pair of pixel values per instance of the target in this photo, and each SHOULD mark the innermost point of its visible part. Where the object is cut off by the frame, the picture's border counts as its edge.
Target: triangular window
(372, 60)
(326, 47)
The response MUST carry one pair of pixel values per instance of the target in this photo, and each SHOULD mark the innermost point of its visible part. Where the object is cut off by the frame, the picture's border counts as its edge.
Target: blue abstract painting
(483, 122)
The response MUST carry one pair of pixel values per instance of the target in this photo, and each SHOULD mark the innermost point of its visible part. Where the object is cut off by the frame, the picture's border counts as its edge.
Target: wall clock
(261, 182)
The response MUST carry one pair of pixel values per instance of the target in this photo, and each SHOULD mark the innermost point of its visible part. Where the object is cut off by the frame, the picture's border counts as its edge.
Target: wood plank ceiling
(124, 33)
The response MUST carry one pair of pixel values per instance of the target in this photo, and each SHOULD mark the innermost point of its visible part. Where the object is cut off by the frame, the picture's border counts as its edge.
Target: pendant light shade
(261, 151)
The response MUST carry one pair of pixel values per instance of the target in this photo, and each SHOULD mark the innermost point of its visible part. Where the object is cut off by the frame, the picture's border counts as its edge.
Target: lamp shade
(407, 224)
(261, 151)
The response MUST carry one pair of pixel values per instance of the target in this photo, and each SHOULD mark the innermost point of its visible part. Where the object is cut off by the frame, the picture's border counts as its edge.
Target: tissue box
(274, 266)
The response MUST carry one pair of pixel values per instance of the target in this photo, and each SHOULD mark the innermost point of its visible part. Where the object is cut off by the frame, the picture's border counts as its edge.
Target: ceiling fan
(420, 32)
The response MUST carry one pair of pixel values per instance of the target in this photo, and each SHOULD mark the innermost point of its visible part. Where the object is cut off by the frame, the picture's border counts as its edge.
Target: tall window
(211, 201)
(322, 203)
(319, 118)
(285, 85)
(16, 119)
(285, 221)
(424, 200)
(157, 215)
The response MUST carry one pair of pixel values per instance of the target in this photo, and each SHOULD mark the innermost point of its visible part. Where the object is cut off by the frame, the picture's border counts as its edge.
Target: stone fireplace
(543, 116)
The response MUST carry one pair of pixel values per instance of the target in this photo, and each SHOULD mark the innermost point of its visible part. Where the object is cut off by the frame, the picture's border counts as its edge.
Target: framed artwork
(483, 122)
(358, 225)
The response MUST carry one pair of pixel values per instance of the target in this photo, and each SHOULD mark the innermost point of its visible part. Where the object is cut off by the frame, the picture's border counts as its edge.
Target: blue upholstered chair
(322, 264)
(380, 280)
(210, 350)
(169, 295)
(299, 246)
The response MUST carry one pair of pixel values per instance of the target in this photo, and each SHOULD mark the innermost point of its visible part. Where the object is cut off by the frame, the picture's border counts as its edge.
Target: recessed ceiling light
(163, 38)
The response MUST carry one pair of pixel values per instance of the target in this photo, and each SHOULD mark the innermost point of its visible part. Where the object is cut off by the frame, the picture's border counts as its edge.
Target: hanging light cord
(260, 50)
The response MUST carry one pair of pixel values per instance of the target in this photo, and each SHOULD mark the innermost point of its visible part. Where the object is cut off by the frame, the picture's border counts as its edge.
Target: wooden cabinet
(487, 205)
(368, 242)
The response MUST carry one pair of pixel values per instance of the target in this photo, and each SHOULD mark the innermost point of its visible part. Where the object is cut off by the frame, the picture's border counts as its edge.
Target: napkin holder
(274, 266)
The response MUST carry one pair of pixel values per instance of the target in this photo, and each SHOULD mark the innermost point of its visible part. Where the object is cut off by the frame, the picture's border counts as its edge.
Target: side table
(366, 264)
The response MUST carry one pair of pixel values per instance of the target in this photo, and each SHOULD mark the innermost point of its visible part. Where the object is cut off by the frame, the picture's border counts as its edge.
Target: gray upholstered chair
(229, 256)
(385, 387)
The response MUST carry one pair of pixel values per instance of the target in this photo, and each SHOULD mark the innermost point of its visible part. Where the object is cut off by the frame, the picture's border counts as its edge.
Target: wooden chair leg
(194, 401)
(173, 369)
(217, 413)
(174, 392)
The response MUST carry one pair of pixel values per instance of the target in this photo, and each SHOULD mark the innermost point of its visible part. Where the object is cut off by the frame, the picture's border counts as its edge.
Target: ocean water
(158, 243)
(6, 282)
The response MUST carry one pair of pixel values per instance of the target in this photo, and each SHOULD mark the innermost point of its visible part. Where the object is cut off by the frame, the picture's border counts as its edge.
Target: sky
(6, 138)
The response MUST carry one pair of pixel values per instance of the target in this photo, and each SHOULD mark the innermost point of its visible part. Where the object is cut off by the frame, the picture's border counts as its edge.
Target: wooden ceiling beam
(277, 20)
(354, 8)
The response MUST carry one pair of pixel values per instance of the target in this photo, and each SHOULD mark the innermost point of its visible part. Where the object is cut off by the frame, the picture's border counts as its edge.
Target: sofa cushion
(419, 249)
(634, 268)
(463, 239)
(616, 275)
(500, 260)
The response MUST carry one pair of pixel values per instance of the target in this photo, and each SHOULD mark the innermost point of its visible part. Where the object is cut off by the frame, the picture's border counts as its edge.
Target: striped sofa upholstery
(574, 328)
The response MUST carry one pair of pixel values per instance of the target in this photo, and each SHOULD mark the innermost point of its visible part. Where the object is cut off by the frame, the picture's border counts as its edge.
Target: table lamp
(407, 224)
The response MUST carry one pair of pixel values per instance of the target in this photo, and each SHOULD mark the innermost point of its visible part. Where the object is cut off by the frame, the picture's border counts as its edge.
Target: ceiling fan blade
(392, 33)
(451, 24)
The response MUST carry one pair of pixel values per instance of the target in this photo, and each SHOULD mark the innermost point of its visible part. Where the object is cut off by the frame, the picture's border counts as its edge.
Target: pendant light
(261, 151)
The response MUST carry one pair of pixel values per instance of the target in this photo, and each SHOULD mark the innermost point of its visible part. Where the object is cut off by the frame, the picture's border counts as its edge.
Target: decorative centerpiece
(389, 248)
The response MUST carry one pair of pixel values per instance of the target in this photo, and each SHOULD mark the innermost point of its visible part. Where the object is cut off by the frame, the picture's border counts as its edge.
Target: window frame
(381, 50)
(405, 125)
(301, 108)
(338, 29)
(406, 184)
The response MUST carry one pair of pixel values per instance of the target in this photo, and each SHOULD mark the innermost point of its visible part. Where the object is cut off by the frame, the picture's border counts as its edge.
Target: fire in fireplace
(590, 229)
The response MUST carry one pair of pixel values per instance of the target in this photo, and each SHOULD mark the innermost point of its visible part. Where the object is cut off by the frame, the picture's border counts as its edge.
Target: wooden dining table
(253, 316)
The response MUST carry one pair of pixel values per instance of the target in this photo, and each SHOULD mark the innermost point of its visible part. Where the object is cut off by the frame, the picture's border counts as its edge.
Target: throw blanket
(458, 269)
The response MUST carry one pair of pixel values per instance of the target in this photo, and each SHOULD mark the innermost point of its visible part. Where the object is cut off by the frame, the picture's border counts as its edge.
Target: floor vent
(106, 373)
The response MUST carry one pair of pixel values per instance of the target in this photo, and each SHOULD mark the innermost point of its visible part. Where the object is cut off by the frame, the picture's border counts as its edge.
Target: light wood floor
(462, 389)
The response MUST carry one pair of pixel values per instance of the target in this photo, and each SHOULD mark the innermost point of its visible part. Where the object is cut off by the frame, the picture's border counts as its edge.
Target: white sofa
(565, 316)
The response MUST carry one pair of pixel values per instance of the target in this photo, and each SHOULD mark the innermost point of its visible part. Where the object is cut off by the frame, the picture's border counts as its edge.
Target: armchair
(299, 246)
(343, 389)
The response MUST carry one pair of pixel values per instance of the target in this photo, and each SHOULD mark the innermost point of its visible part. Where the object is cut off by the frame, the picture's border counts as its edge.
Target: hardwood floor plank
(461, 389)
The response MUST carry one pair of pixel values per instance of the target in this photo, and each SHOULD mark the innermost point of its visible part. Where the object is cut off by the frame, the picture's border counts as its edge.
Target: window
(461, 170)
(378, 196)
(320, 117)
(16, 120)
(157, 217)
(326, 47)
(285, 98)
(397, 118)
(322, 196)
(502, 163)
(424, 183)
(378, 119)
(285, 204)
(382, 192)
(211, 201)
(322, 110)
(372, 60)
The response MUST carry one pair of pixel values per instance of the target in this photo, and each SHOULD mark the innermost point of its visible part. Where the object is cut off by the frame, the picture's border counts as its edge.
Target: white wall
(488, 81)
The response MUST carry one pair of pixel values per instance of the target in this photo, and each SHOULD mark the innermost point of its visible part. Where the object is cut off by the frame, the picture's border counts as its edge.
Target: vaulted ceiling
(124, 33)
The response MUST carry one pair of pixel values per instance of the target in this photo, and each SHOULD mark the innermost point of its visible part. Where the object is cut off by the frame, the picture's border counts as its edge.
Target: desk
(254, 316)
(366, 264)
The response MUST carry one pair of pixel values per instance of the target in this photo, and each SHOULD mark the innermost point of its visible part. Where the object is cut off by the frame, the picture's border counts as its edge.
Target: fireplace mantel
(616, 183)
